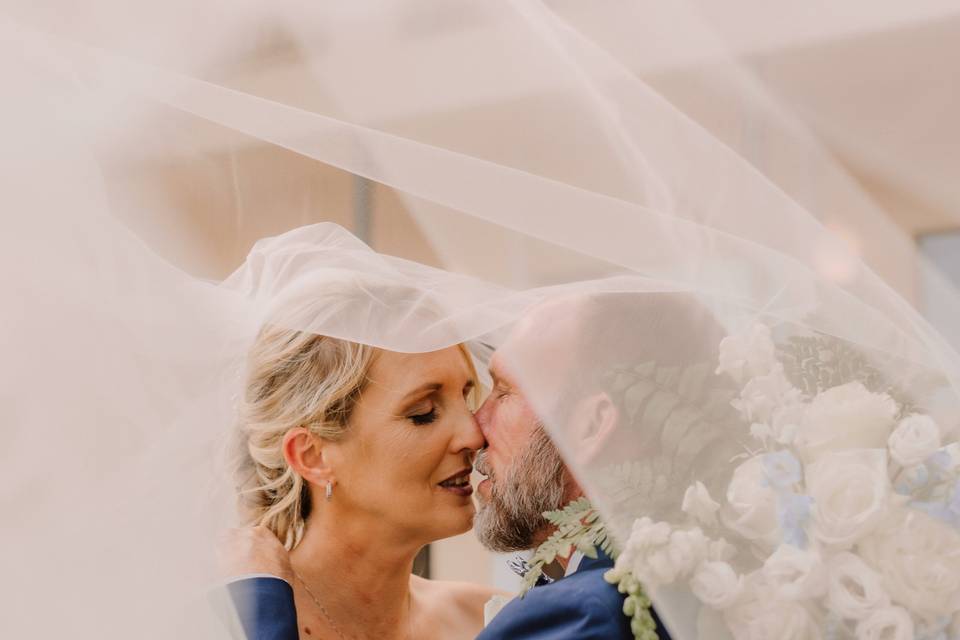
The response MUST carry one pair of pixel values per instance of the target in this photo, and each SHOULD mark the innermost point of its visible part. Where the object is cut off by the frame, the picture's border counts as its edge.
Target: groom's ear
(595, 420)
(304, 452)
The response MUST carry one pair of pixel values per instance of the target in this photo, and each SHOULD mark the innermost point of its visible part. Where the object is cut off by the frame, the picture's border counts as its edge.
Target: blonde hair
(294, 379)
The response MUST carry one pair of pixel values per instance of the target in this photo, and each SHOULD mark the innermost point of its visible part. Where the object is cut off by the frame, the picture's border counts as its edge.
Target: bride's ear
(304, 452)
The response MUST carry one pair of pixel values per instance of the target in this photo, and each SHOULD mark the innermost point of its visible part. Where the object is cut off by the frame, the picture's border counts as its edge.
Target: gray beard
(511, 519)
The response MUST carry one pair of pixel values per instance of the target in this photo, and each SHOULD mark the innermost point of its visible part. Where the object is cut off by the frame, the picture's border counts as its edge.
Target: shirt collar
(573, 564)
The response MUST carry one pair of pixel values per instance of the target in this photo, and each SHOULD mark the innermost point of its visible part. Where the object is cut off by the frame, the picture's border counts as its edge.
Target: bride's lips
(458, 483)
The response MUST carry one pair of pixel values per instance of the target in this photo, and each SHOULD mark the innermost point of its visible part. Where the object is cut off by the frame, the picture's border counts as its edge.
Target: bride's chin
(461, 519)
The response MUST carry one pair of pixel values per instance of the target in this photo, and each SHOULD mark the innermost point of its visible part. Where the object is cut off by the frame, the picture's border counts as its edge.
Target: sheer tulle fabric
(566, 182)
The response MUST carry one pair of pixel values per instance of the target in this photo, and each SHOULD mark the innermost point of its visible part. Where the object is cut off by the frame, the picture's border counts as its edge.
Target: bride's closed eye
(421, 419)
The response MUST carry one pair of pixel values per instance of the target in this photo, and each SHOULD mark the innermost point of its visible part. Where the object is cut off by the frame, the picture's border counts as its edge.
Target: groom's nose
(471, 435)
(482, 416)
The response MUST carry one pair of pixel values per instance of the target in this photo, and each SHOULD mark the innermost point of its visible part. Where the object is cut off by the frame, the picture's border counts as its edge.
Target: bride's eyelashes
(421, 419)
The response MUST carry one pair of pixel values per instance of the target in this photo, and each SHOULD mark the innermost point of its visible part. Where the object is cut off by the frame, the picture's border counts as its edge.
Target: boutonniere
(579, 528)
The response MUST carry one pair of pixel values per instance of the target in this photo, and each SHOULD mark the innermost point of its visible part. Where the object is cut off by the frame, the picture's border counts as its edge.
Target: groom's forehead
(544, 339)
(496, 368)
(500, 369)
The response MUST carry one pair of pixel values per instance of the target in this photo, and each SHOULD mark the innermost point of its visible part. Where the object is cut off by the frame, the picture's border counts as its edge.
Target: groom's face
(508, 424)
(525, 473)
(540, 344)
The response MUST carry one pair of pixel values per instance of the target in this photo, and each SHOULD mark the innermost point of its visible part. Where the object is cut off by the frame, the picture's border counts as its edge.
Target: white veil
(604, 152)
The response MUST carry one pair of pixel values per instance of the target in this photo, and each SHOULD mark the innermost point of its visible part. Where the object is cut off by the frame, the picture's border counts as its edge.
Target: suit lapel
(602, 561)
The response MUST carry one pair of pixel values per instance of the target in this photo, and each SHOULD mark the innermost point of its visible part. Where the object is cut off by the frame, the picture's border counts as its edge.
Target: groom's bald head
(559, 366)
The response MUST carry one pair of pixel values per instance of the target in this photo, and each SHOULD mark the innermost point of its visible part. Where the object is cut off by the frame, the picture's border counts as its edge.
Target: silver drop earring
(329, 490)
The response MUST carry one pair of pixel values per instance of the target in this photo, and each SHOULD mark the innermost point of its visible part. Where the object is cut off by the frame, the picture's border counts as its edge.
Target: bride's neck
(349, 562)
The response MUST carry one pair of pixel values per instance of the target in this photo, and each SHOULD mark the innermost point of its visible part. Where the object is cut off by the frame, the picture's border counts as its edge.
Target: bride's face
(408, 453)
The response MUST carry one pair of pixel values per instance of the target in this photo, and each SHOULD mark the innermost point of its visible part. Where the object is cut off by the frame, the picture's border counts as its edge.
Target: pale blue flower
(939, 464)
(793, 512)
(782, 469)
(946, 510)
(913, 479)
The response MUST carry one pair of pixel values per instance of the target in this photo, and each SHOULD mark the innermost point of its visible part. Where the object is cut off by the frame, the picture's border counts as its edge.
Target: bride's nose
(468, 435)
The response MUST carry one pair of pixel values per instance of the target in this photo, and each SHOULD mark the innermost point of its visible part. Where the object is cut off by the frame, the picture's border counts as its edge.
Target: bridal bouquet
(841, 520)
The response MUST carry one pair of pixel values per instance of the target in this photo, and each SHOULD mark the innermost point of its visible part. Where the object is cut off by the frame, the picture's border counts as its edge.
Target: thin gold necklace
(323, 610)
(329, 619)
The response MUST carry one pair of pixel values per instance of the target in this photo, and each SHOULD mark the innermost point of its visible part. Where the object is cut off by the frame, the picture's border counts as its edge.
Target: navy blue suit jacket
(265, 607)
(581, 606)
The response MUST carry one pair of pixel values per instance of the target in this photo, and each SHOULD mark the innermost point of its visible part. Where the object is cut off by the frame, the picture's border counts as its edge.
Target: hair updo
(294, 379)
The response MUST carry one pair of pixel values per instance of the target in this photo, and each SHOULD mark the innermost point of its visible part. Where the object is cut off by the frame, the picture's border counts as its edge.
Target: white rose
(645, 536)
(761, 432)
(918, 558)
(795, 574)
(685, 551)
(747, 354)
(698, 503)
(777, 619)
(892, 623)
(914, 440)
(764, 394)
(720, 549)
(656, 554)
(751, 508)
(785, 422)
(761, 617)
(845, 417)
(850, 491)
(716, 584)
(854, 590)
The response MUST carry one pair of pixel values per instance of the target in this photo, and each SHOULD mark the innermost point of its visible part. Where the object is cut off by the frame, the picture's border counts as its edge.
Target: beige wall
(461, 558)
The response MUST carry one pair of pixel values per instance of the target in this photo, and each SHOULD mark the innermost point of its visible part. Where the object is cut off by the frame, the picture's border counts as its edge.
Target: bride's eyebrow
(430, 387)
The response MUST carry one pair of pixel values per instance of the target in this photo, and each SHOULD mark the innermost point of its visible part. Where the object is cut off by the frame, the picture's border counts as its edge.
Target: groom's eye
(424, 418)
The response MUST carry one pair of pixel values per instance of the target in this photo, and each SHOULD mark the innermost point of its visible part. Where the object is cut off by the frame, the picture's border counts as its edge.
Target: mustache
(481, 465)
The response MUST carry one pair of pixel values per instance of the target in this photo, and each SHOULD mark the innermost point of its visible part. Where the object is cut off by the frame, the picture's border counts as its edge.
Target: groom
(526, 475)
(569, 343)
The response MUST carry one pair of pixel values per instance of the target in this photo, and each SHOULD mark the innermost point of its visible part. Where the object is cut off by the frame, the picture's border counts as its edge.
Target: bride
(355, 458)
